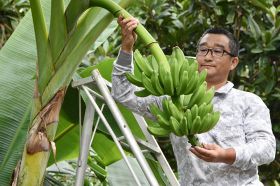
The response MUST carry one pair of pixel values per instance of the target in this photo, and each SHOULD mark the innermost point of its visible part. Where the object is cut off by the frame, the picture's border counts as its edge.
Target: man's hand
(214, 153)
(128, 35)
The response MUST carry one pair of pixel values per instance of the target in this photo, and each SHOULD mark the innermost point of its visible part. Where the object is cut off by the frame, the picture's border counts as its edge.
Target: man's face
(218, 62)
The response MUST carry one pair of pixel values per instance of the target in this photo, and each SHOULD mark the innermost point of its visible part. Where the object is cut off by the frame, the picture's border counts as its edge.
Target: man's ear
(234, 63)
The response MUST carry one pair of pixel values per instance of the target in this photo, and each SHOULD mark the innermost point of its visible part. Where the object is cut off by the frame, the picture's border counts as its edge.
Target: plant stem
(193, 140)
(143, 34)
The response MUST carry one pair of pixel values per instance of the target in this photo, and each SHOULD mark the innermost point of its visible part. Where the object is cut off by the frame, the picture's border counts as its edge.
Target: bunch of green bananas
(184, 118)
(188, 110)
(180, 77)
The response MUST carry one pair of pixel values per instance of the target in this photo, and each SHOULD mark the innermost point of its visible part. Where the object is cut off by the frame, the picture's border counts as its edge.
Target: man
(242, 139)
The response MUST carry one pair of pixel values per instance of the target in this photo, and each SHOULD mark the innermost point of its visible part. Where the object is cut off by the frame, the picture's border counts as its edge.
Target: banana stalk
(143, 34)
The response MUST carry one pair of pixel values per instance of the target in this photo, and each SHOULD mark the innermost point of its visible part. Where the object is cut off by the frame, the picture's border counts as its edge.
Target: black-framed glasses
(215, 52)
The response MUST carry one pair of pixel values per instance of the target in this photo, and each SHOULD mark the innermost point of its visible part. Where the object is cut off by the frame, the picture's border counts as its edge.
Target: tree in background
(11, 11)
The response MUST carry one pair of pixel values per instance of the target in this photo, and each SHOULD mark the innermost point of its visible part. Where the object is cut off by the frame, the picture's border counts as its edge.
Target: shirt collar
(225, 89)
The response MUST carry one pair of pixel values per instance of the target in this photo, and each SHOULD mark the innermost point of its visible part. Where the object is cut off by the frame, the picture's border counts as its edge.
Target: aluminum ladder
(92, 107)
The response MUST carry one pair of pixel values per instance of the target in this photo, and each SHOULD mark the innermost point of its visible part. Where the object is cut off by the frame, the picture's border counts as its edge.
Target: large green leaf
(17, 64)
(106, 149)
(124, 177)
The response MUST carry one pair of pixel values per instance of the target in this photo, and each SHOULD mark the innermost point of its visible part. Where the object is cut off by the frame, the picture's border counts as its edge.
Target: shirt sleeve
(123, 91)
(260, 147)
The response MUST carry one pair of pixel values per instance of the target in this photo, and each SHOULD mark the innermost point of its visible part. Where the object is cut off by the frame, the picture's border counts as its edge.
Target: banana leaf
(18, 67)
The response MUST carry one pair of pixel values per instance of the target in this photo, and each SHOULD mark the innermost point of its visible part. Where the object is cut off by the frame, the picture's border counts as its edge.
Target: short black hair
(233, 43)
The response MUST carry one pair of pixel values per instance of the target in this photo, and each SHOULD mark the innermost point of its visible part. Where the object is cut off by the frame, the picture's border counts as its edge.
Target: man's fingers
(199, 155)
(132, 27)
(132, 22)
(127, 24)
(209, 146)
(126, 21)
(120, 18)
(204, 152)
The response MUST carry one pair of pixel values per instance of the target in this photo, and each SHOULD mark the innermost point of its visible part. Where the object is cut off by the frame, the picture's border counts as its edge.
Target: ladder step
(83, 81)
(144, 144)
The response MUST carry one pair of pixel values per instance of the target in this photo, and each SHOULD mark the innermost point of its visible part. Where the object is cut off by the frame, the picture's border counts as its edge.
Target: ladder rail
(151, 144)
(124, 128)
(111, 132)
(85, 143)
(160, 157)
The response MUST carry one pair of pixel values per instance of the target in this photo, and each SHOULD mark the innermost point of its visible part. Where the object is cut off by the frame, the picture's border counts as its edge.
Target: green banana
(163, 122)
(194, 111)
(142, 63)
(185, 127)
(175, 126)
(174, 111)
(179, 55)
(163, 70)
(196, 125)
(174, 66)
(193, 67)
(161, 116)
(158, 131)
(153, 63)
(214, 118)
(168, 84)
(184, 80)
(184, 67)
(186, 100)
(197, 95)
(155, 110)
(202, 77)
(133, 79)
(208, 96)
(188, 115)
(165, 107)
(192, 84)
(202, 110)
(148, 85)
(206, 123)
(156, 84)
(208, 108)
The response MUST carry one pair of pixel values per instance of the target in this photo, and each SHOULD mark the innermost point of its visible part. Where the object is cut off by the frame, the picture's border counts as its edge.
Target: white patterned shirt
(244, 125)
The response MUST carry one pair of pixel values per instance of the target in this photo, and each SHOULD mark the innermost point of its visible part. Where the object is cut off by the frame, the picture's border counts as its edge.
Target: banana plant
(59, 54)
(59, 51)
